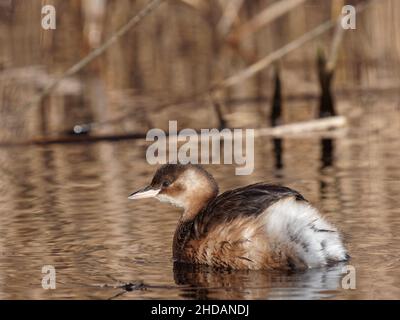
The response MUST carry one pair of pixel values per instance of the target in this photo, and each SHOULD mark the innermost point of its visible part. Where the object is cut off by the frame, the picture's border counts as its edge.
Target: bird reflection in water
(203, 282)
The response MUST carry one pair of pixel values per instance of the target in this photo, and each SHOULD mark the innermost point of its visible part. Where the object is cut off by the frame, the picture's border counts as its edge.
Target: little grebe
(260, 226)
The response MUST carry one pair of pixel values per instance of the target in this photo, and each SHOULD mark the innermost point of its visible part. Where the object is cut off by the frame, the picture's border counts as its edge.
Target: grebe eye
(166, 183)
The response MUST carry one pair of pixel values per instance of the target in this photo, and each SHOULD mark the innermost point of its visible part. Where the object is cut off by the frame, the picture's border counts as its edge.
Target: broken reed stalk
(276, 55)
(316, 125)
(217, 105)
(326, 69)
(276, 112)
(229, 15)
(276, 118)
(269, 14)
(194, 4)
(336, 42)
(325, 76)
(322, 126)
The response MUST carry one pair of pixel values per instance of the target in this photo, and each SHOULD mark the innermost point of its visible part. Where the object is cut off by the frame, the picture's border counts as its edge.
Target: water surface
(67, 206)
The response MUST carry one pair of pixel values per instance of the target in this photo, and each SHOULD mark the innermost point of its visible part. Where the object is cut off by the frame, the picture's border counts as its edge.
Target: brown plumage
(242, 228)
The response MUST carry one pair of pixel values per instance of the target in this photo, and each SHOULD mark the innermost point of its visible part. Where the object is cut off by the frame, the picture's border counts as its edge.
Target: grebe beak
(146, 192)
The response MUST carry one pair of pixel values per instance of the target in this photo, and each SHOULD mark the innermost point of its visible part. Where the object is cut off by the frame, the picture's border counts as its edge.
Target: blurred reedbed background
(76, 103)
(176, 53)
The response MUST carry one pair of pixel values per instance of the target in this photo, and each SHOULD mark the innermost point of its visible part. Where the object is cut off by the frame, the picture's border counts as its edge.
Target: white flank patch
(295, 224)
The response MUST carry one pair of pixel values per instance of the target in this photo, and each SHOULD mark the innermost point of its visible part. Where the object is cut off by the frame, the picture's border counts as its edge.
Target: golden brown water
(67, 206)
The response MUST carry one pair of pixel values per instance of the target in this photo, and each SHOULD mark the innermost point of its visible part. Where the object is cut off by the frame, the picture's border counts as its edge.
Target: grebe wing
(242, 202)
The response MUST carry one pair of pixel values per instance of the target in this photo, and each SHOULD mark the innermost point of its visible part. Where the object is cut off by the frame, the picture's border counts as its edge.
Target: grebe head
(186, 186)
